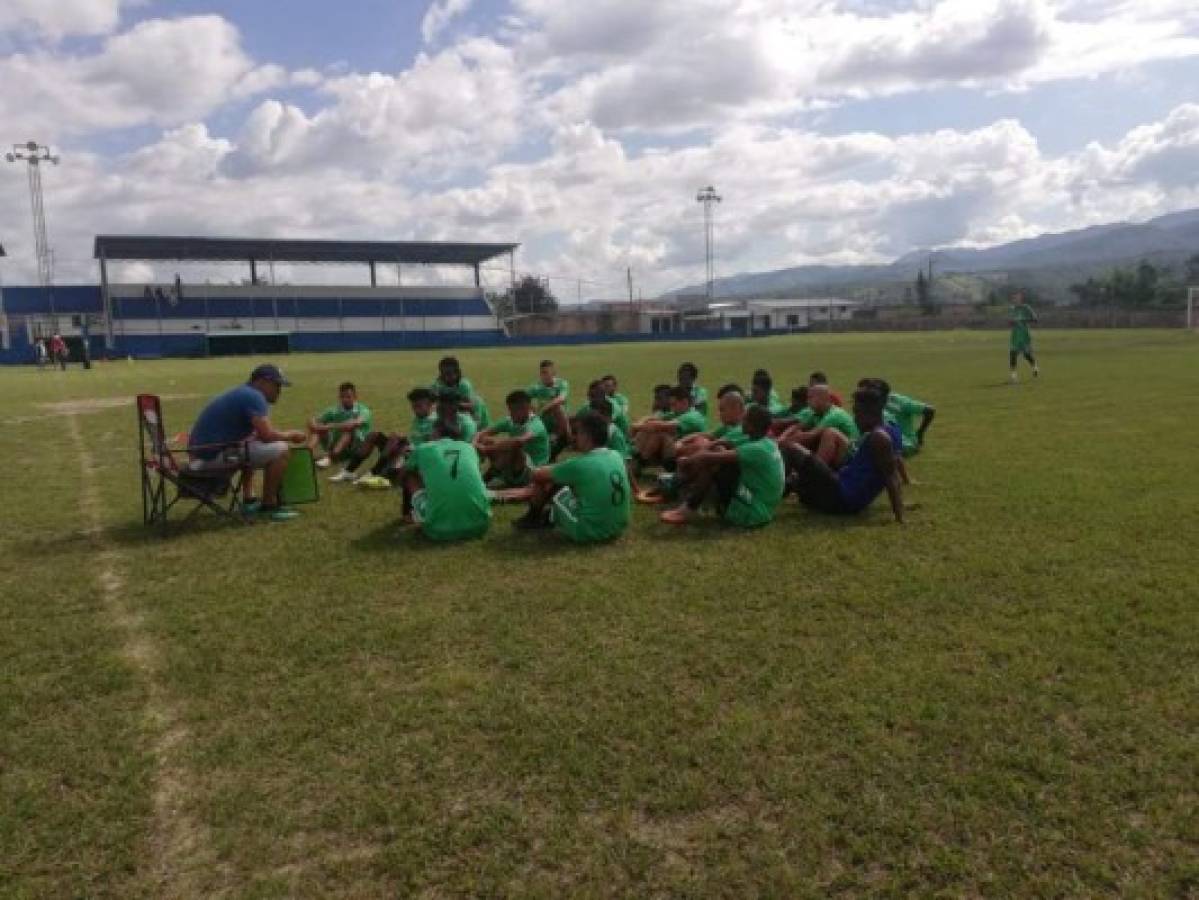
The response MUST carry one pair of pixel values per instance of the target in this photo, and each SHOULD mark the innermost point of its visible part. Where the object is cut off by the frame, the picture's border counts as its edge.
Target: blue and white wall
(158, 323)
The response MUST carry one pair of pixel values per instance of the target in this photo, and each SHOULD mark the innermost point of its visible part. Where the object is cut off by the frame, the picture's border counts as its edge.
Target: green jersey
(774, 405)
(690, 422)
(543, 394)
(807, 418)
(907, 413)
(599, 503)
(537, 448)
(336, 415)
(837, 418)
(1021, 337)
(466, 426)
(467, 390)
(618, 442)
(760, 488)
(730, 434)
(455, 506)
(699, 399)
(422, 429)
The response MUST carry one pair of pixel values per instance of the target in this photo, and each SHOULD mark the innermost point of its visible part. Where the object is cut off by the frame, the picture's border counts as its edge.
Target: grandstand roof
(155, 247)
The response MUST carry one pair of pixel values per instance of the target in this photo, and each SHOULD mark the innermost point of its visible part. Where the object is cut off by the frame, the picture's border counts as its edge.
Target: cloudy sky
(837, 130)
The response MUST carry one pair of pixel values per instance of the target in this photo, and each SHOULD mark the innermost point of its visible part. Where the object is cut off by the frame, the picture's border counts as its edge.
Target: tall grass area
(997, 698)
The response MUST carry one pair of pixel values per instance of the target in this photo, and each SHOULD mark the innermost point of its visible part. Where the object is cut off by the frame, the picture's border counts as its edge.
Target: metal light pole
(35, 154)
(709, 198)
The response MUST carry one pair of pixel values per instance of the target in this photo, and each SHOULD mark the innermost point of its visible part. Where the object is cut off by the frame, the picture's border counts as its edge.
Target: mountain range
(1048, 264)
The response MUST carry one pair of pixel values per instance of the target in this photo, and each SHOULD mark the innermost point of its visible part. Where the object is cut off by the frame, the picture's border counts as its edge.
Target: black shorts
(728, 476)
(818, 487)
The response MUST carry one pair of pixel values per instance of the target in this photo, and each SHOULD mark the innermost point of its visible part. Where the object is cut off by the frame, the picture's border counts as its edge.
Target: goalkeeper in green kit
(1021, 338)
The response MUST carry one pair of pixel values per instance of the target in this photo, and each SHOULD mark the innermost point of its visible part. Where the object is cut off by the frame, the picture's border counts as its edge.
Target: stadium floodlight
(709, 198)
(35, 154)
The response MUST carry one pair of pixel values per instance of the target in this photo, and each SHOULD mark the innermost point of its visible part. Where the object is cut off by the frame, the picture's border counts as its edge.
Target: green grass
(997, 698)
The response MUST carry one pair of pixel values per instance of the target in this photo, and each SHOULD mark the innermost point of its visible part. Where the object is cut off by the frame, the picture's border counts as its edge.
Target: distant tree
(925, 294)
(1145, 289)
(530, 295)
(1090, 292)
(1192, 272)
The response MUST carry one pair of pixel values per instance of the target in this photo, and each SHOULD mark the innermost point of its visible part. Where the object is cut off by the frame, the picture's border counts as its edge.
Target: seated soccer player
(688, 373)
(655, 437)
(443, 488)
(746, 481)
(240, 414)
(763, 394)
(796, 413)
(914, 417)
(586, 498)
(730, 407)
(393, 448)
(516, 444)
(819, 377)
(449, 377)
(826, 430)
(616, 439)
(337, 433)
(869, 470)
(595, 391)
(884, 388)
(550, 394)
(620, 404)
(448, 411)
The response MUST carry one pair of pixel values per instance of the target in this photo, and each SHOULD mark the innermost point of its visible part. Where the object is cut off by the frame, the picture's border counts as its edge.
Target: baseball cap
(270, 372)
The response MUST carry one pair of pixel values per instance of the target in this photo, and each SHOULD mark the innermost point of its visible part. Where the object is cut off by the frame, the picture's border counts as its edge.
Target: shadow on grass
(137, 534)
(502, 541)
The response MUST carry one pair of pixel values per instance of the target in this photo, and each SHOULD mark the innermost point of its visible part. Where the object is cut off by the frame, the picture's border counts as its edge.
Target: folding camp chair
(165, 482)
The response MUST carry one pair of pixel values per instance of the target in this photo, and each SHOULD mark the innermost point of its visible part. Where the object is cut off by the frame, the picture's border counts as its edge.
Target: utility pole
(709, 198)
(35, 154)
(629, 273)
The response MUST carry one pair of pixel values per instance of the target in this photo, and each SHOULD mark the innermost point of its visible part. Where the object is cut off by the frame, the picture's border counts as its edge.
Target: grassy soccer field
(998, 698)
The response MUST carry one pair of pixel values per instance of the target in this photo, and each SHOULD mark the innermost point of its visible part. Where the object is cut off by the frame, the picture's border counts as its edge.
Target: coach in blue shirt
(238, 415)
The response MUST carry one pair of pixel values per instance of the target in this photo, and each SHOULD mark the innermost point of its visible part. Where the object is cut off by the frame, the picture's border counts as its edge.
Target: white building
(755, 316)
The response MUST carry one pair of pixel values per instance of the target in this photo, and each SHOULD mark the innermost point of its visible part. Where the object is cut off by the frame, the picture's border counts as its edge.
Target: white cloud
(460, 105)
(439, 15)
(159, 71)
(679, 64)
(56, 19)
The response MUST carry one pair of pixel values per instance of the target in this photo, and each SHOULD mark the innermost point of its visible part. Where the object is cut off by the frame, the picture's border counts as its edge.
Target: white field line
(180, 861)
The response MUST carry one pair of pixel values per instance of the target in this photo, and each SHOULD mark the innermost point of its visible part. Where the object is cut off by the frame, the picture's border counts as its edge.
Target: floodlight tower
(709, 198)
(35, 155)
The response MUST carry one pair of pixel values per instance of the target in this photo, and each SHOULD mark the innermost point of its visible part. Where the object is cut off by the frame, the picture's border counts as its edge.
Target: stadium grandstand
(151, 319)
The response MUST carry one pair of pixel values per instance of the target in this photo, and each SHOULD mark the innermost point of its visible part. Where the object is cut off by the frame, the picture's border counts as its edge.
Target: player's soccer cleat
(250, 507)
(343, 475)
(279, 513)
(373, 482)
(323, 462)
(1036, 371)
(1015, 379)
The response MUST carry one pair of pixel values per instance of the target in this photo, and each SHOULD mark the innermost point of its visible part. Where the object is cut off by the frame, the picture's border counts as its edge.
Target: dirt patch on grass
(181, 860)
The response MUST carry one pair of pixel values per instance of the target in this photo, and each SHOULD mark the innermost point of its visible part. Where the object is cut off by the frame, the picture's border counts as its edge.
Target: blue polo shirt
(227, 419)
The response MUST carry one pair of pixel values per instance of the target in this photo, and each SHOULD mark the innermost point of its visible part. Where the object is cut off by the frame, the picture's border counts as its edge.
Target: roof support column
(478, 277)
(374, 277)
(253, 272)
(106, 302)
